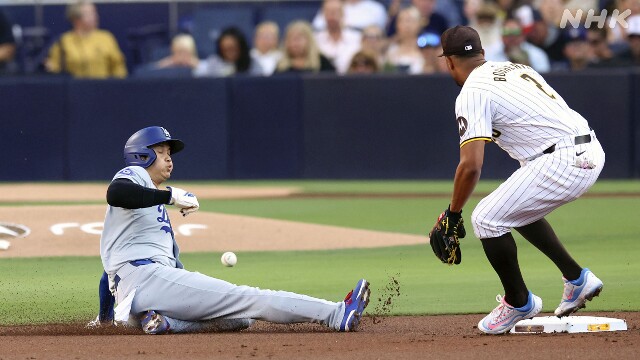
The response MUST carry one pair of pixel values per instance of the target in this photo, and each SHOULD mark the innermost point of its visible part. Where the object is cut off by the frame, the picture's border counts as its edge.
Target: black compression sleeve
(126, 194)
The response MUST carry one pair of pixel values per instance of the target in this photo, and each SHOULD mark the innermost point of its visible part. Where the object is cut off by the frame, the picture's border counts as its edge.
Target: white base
(568, 324)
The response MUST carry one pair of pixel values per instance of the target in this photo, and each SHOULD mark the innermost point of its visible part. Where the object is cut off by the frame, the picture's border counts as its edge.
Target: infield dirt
(400, 337)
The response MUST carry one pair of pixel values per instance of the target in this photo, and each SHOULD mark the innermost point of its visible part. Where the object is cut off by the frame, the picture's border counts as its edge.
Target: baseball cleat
(354, 304)
(96, 323)
(154, 323)
(505, 316)
(93, 324)
(575, 296)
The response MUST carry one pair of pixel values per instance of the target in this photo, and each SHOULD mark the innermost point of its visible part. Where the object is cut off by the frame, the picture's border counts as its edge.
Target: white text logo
(574, 20)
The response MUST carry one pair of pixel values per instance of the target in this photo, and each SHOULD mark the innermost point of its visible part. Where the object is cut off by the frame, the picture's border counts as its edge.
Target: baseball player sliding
(560, 157)
(141, 257)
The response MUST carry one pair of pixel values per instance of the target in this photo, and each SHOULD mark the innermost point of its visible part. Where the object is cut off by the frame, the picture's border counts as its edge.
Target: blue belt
(135, 263)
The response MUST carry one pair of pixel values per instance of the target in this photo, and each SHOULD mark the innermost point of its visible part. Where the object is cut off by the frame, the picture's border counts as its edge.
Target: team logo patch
(462, 125)
(126, 172)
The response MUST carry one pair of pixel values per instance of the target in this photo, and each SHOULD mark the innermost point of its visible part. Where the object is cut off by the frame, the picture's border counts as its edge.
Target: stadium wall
(381, 127)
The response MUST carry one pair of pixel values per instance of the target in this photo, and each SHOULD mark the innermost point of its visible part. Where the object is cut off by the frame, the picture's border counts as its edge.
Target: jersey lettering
(164, 218)
(529, 78)
(515, 99)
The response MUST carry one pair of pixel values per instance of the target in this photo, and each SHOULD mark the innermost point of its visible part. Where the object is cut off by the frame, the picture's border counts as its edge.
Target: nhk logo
(591, 18)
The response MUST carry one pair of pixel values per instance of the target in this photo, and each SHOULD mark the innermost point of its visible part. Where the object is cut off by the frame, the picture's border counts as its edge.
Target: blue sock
(580, 280)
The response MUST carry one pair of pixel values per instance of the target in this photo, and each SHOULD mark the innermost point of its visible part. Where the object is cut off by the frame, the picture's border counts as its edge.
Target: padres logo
(462, 125)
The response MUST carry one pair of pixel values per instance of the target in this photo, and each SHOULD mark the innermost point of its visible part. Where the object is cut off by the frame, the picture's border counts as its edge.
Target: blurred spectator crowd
(359, 37)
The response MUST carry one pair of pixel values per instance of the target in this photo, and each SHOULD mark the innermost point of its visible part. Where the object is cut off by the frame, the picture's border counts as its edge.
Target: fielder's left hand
(444, 237)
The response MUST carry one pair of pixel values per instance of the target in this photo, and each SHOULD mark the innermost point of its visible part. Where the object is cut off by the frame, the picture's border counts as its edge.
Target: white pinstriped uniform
(513, 106)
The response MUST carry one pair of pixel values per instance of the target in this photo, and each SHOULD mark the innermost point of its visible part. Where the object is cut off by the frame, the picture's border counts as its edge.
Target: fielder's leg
(542, 236)
(502, 253)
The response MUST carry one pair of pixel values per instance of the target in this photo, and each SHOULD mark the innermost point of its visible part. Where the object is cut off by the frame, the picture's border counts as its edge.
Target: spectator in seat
(520, 10)
(483, 17)
(183, 53)
(631, 56)
(300, 52)
(232, 57)
(358, 14)
(546, 35)
(576, 49)
(86, 51)
(364, 62)
(429, 19)
(7, 45)
(265, 51)
(429, 44)
(375, 43)
(403, 54)
(602, 55)
(618, 33)
(514, 48)
(337, 43)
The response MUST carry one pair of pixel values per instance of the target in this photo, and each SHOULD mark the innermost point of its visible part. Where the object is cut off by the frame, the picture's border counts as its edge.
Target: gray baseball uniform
(167, 288)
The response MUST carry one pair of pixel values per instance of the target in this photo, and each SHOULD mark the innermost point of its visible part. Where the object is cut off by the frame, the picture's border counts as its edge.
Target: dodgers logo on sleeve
(126, 171)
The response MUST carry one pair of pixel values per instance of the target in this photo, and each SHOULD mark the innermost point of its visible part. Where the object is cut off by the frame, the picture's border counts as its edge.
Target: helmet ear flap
(142, 157)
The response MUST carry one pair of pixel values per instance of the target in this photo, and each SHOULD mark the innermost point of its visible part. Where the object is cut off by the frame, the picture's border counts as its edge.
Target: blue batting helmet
(137, 151)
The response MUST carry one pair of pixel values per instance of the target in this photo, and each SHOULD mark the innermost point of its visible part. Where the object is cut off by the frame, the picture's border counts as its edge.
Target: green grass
(401, 186)
(601, 233)
(65, 289)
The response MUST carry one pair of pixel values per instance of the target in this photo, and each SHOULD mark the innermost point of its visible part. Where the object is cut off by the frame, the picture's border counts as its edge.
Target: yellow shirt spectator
(86, 51)
(94, 55)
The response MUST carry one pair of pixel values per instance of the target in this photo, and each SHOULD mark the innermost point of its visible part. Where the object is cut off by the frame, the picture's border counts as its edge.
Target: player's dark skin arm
(467, 173)
(126, 194)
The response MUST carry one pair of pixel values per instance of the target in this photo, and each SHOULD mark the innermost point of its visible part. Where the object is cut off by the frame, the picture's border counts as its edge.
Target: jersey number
(529, 78)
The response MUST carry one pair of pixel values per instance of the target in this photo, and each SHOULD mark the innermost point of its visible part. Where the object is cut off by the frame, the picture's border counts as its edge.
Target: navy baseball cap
(461, 41)
(428, 39)
(572, 34)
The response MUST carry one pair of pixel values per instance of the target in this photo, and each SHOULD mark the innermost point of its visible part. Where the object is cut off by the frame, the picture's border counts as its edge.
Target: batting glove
(186, 201)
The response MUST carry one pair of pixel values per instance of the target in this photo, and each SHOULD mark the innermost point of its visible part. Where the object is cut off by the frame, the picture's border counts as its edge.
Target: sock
(528, 305)
(503, 256)
(580, 280)
(107, 300)
(542, 236)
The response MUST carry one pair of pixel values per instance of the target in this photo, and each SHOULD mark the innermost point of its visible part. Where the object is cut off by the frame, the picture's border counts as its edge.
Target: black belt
(582, 139)
(135, 263)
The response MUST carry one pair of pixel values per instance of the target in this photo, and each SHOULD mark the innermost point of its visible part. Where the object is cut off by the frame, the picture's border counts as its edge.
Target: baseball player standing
(560, 157)
(141, 257)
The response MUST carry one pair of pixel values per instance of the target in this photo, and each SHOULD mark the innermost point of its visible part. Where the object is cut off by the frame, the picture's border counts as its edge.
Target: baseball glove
(445, 235)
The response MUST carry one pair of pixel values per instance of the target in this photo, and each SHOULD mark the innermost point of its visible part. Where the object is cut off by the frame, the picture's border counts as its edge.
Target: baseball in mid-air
(229, 259)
